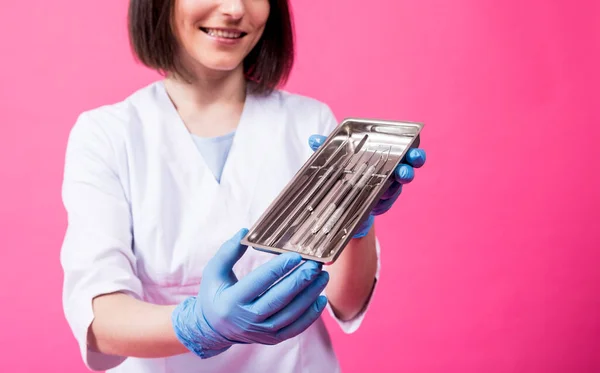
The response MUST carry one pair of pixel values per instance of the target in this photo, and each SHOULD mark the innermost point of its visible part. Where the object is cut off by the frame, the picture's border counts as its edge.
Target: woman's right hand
(263, 307)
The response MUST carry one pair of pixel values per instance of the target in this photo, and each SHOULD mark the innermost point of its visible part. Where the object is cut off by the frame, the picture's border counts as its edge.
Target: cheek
(260, 13)
(190, 8)
(187, 13)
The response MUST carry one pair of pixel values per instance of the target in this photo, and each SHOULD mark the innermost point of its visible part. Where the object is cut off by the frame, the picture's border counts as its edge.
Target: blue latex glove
(253, 309)
(403, 174)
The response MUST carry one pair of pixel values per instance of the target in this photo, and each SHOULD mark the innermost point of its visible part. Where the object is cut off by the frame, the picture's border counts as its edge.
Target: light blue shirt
(214, 150)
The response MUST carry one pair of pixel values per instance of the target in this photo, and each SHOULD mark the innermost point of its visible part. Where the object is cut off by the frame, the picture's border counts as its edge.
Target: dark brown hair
(268, 65)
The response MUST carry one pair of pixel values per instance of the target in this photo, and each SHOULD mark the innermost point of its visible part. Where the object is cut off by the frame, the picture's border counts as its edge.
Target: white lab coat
(145, 214)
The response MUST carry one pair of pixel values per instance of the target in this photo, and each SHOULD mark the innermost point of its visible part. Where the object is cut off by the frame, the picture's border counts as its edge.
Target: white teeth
(223, 34)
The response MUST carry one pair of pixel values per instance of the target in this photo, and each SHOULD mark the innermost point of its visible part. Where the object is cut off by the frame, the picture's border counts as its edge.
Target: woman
(158, 188)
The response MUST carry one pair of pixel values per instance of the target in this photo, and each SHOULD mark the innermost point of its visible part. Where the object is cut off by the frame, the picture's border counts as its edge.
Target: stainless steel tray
(342, 163)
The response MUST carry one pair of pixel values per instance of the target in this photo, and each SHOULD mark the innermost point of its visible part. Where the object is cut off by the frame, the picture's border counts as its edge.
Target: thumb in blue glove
(403, 174)
(265, 307)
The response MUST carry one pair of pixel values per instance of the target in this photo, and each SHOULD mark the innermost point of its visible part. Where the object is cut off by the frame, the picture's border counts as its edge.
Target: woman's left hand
(403, 174)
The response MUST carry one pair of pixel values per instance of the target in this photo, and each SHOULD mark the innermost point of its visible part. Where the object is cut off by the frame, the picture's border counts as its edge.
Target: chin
(223, 66)
(219, 61)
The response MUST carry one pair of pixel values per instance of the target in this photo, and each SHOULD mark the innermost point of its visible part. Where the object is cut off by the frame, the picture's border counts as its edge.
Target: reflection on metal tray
(320, 209)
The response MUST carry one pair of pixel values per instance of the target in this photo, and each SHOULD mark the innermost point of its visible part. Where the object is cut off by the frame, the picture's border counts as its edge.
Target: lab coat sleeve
(328, 125)
(96, 254)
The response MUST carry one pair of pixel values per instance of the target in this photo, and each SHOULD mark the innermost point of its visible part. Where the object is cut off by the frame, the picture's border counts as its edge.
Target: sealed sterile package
(324, 204)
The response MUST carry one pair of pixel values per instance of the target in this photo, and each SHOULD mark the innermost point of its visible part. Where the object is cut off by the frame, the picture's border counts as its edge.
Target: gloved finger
(392, 191)
(315, 141)
(404, 173)
(253, 333)
(384, 205)
(261, 278)
(282, 293)
(298, 305)
(415, 157)
(229, 253)
(257, 335)
(303, 322)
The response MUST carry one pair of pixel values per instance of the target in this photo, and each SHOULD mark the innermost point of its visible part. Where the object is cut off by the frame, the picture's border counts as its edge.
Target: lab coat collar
(234, 194)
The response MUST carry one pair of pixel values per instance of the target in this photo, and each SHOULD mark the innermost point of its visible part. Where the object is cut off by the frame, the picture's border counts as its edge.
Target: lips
(223, 33)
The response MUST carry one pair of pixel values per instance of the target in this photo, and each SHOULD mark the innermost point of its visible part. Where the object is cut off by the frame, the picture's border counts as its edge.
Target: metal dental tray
(321, 208)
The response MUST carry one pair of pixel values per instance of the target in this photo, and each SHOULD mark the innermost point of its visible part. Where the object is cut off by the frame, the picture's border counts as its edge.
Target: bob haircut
(154, 44)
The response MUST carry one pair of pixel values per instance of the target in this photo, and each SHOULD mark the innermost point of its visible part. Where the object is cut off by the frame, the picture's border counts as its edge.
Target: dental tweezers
(334, 212)
(300, 191)
(310, 202)
(346, 186)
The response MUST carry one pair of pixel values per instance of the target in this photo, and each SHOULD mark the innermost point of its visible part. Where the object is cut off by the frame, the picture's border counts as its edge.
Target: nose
(233, 8)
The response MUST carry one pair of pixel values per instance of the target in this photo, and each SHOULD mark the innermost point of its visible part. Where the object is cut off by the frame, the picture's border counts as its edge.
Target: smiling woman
(159, 188)
(182, 36)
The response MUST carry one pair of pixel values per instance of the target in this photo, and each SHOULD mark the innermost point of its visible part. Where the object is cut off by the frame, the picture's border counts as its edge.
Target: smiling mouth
(220, 33)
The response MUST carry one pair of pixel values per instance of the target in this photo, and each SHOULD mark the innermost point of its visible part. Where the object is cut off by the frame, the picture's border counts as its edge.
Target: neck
(212, 104)
(221, 88)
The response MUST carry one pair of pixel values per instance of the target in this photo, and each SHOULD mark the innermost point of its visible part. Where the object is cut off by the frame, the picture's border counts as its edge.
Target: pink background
(491, 258)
